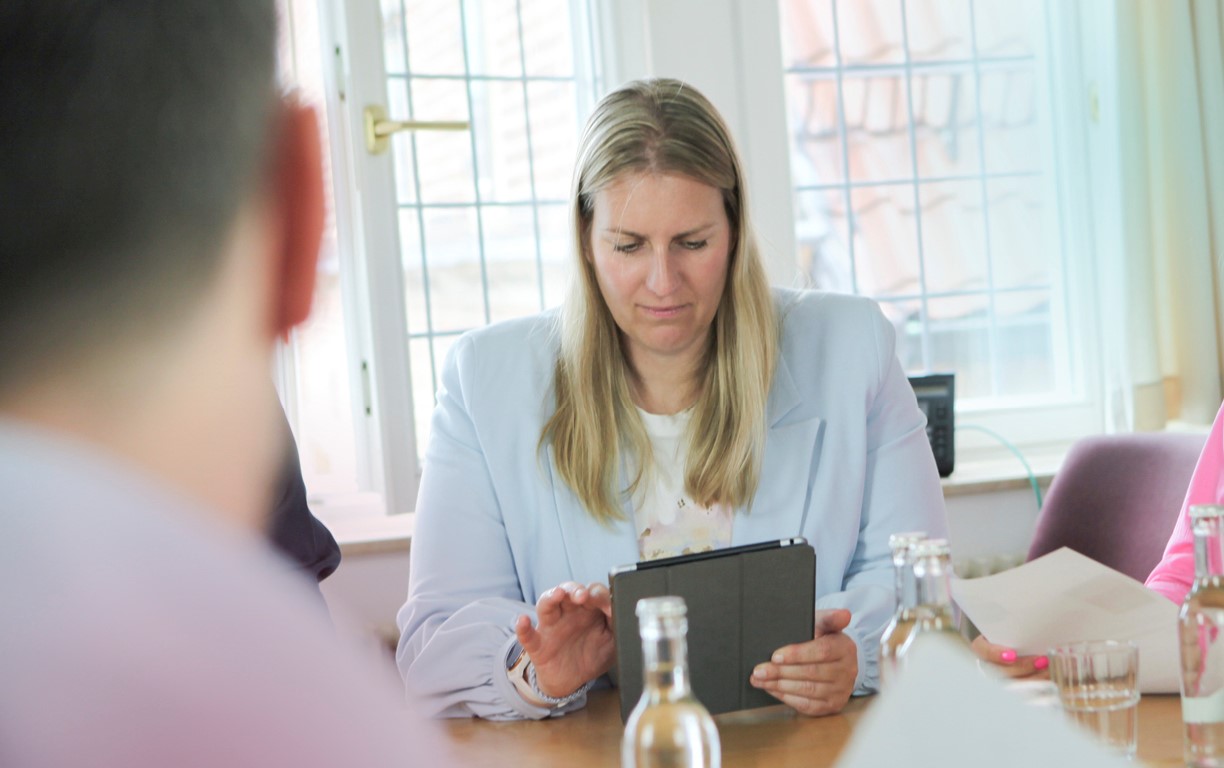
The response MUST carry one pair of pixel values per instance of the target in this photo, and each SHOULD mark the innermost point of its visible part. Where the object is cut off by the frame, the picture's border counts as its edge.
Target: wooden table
(772, 737)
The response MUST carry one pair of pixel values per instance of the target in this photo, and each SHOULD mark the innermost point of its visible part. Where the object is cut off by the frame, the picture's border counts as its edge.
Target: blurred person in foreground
(674, 404)
(160, 213)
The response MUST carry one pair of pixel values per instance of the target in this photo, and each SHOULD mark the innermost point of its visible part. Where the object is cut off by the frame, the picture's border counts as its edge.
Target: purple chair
(1117, 498)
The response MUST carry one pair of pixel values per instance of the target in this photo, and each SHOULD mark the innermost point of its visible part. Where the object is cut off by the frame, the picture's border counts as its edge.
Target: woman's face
(660, 246)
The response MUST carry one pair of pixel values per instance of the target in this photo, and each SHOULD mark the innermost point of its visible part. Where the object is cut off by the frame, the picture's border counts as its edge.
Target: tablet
(743, 602)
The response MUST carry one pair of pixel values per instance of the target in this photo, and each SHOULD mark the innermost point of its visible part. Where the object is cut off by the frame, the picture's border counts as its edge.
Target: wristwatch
(523, 676)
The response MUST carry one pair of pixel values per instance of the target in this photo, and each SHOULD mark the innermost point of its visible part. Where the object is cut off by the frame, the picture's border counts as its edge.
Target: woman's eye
(626, 247)
(694, 245)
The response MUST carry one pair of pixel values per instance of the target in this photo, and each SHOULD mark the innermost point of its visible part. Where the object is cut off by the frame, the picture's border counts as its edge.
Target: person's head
(648, 143)
(667, 268)
(160, 212)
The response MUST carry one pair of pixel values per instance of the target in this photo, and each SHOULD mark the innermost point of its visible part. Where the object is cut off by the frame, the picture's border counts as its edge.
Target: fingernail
(1041, 663)
(759, 672)
(777, 658)
(1008, 656)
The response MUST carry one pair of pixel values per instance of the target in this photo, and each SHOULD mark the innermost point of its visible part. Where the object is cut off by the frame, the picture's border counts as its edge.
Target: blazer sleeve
(901, 492)
(1174, 574)
(456, 629)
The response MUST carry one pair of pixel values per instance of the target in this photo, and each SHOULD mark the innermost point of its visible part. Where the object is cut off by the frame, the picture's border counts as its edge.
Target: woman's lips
(663, 313)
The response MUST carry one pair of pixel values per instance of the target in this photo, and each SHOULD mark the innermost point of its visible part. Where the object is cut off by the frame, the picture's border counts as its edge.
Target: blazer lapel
(779, 509)
(591, 547)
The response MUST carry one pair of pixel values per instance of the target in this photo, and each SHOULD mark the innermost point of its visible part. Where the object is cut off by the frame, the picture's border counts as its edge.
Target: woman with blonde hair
(674, 404)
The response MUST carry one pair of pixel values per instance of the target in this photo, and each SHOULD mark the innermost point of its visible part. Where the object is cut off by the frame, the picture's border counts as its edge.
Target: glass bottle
(898, 629)
(1202, 648)
(933, 613)
(669, 727)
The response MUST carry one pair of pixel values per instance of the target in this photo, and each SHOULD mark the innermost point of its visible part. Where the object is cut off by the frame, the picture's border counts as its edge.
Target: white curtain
(1160, 272)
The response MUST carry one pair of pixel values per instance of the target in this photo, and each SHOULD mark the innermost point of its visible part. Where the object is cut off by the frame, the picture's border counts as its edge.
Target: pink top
(1174, 574)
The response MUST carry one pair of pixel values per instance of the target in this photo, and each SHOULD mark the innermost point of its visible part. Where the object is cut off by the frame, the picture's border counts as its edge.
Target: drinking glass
(1097, 689)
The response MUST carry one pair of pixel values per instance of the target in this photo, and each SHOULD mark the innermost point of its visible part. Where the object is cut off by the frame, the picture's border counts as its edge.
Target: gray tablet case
(743, 604)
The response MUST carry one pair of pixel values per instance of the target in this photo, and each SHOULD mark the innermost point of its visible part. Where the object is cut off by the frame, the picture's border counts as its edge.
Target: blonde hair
(667, 127)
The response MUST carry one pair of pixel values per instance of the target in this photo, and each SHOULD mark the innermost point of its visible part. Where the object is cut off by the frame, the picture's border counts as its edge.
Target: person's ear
(297, 188)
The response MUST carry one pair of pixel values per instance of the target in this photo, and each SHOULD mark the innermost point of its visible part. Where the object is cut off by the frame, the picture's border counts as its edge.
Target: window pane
(556, 251)
(807, 33)
(1023, 319)
(395, 54)
(816, 154)
(444, 158)
(821, 237)
(953, 237)
(886, 240)
(906, 318)
(546, 37)
(945, 123)
(456, 285)
(939, 30)
(952, 224)
(877, 125)
(415, 270)
(1006, 27)
(1009, 115)
(554, 136)
(435, 37)
(483, 214)
(402, 143)
(1023, 250)
(959, 331)
(492, 38)
(870, 31)
(500, 129)
(511, 254)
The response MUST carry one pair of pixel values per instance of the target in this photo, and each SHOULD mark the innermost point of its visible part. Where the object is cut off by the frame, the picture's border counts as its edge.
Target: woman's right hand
(1008, 662)
(572, 642)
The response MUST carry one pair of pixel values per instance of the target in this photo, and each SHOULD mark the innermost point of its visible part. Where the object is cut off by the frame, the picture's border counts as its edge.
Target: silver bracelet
(554, 701)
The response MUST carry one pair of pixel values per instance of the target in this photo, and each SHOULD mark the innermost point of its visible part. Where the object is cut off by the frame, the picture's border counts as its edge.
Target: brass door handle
(378, 128)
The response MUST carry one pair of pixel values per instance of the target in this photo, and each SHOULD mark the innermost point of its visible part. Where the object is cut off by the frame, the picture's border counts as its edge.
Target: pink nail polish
(1008, 656)
(1041, 663)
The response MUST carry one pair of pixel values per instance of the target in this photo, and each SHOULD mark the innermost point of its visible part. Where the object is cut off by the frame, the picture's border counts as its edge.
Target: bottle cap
(661, 607)
(902, 541)
(1200, 511)
(931, 548)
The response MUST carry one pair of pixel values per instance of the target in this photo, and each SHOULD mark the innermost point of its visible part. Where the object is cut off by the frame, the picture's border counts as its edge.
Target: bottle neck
(907, 597)
(1208, 548)
(932, 582)
(665, 663)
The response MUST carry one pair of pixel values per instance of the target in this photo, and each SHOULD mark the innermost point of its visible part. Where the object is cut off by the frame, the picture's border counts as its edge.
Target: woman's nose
(662, 277)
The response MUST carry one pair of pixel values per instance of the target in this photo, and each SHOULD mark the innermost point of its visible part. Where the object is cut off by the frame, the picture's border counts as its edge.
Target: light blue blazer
(846, 463)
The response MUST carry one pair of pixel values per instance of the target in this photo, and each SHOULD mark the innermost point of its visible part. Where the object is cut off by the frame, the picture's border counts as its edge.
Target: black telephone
(936, 393)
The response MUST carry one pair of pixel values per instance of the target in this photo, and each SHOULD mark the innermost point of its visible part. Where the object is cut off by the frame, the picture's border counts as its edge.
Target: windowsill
(372, 534)
(988, 470)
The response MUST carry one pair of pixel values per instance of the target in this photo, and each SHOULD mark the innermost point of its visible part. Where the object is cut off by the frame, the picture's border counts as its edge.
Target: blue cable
(1016, 451)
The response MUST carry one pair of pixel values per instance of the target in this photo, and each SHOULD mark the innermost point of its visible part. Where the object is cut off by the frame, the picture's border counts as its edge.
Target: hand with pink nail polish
(1008, 662)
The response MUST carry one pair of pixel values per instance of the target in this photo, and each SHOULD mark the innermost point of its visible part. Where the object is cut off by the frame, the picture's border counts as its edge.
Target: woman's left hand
(816, 677)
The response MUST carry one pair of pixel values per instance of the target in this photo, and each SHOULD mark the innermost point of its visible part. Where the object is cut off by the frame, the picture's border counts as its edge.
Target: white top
(667, 520)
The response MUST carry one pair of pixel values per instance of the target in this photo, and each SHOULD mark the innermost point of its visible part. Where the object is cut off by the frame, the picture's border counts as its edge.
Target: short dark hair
(131, 132)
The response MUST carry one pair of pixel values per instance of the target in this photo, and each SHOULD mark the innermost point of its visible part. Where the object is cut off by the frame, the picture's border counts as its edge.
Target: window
(446, 232)
(920, 152)
(924, 168)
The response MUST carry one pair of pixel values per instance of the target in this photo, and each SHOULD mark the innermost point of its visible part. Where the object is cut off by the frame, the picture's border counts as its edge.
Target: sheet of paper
(942, 711)
(1065, 597)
